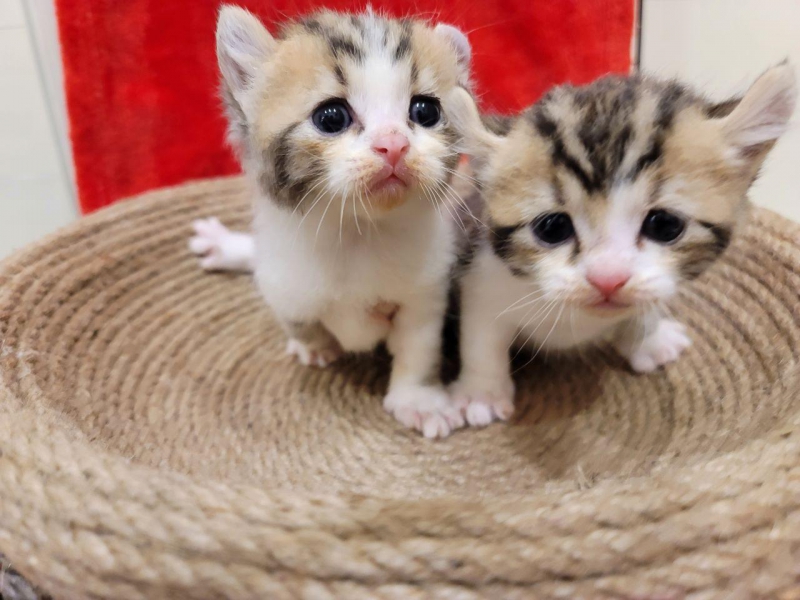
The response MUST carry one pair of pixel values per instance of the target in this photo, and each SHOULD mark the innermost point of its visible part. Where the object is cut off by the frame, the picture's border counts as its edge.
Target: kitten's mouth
(389, 180)
(390, 184)
(608, 305)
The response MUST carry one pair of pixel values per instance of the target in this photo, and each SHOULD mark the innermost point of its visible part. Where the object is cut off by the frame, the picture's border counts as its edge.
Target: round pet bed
(156, 442)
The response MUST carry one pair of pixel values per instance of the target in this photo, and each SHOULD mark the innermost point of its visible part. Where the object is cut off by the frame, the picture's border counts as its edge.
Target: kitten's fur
(605, 154)
(342, 265)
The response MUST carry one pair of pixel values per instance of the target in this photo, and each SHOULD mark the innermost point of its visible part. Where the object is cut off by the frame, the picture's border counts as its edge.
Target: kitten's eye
(332, 117)
(662, 226)
(425, 111)
(554, 228)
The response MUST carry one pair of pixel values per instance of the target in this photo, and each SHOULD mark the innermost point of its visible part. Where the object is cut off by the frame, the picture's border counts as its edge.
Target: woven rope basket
(156, 442)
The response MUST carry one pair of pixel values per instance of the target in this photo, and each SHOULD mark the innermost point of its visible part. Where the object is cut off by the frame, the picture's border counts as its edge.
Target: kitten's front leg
(651, 342)
(221, 249)
(416, 396)
(484, 390)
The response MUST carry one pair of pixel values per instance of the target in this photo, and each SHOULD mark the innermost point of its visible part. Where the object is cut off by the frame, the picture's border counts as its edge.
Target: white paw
(219, 248)
(662, 346)
(483, 401)
(427, 409)
(313, 357)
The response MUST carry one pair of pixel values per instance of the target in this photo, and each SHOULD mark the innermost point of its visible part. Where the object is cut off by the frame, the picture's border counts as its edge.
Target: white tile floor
(35, 196)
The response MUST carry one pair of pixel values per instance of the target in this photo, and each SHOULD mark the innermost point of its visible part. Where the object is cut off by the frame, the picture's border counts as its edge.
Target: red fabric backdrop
(141, 75)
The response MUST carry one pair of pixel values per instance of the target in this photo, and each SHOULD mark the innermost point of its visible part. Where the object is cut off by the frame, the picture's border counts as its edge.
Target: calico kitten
(341, 132)
(601, 201)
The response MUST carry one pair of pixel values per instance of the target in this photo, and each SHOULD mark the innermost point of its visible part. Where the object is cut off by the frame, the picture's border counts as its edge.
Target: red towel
(141, 75)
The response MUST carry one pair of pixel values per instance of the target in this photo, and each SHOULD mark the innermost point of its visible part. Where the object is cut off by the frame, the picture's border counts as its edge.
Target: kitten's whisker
(317, 199)
(464, 205)
(473, 186)
(642, 326)
(299, 204)
(311, 189)
(547, 306)
(549, 333)
(443, 201)
(452, 193)
(531, 302)
(544, 342)
(572, 324)
(457, 203)
(551, 306)
(322, 219)
(341, 214)
(294, 152)
(437, 206)
(558, 299)
(452, 196)
(527, 318)
(513, 304)
(369, 216)
(355, 215)
(461, 174)
(433, 202)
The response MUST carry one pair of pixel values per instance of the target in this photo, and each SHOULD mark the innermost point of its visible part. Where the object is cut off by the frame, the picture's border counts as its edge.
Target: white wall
(35, 194)
(42, 24)
(721, 46)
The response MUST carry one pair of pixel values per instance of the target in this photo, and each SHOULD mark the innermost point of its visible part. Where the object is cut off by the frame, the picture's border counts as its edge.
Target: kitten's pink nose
(392, 146)
(608, 282)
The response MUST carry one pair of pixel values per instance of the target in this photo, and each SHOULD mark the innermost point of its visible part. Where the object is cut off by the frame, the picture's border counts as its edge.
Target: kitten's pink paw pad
(313, 357)
(427, 409)
(662, 346)
(483, 404)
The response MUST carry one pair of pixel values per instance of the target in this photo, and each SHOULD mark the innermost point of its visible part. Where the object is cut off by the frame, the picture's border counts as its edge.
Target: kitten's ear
(762, 115)
(458, 40)
(462, 111)
(243, 44)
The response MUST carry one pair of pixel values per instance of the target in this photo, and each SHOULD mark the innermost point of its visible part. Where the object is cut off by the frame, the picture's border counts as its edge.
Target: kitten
(341, 132)
(601, 201)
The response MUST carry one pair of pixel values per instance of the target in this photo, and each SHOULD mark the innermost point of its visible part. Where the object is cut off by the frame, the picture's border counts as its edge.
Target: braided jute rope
(156, 442)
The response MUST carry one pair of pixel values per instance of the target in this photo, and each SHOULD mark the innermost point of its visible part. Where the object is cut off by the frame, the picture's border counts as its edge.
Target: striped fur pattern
(376, 66)
(646, 183)
(607, 154)
(352, 243)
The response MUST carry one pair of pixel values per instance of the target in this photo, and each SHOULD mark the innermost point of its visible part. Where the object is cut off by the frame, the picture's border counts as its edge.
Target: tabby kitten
(341, 132)
(601, 201)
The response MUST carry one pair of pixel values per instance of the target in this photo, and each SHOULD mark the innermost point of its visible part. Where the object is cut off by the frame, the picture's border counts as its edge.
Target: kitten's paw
(219, 248)
(428, 409)
(312, 356)
(484, 401)
(662, 346)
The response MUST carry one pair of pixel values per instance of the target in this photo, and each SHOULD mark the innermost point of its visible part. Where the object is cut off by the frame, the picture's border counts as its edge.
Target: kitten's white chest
(307, 268)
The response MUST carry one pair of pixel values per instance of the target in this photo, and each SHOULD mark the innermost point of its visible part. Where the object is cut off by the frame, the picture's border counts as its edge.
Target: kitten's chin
(609, 308)
(388, 196)
(389, 187)
(390, 191)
